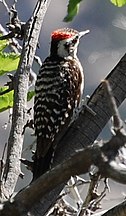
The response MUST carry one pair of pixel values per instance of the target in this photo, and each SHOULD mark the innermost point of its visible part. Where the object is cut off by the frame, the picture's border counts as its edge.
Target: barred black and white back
(59, 89)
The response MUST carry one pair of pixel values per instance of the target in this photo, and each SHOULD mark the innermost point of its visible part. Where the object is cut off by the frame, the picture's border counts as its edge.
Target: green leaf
(30, 95)
(72, 10)
(8, 62)
(3, 44)
(119, 3)
(6, 100)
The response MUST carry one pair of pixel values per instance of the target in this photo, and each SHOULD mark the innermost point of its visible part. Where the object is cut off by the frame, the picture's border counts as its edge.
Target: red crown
(60, 35)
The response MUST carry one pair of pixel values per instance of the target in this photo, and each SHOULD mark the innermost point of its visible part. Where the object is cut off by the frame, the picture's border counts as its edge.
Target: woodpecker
(59, 89)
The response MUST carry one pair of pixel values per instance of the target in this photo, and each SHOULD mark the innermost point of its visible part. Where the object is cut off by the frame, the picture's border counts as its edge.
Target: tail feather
(42, 164)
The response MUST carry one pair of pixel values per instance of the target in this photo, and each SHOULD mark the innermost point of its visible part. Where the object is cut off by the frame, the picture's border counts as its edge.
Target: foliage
(3, 44)
(8, 63)
(73, 8)
(119, 3)
(6, 100)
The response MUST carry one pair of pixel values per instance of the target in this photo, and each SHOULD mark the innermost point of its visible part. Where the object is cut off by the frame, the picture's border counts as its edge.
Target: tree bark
(87, 127)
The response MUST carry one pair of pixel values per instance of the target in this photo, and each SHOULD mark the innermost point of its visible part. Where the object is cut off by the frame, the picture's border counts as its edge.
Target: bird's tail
(42, 164)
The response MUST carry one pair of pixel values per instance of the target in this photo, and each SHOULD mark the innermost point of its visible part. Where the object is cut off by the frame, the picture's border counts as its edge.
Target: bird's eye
(75, 39)
(67, 44)
(71, 43)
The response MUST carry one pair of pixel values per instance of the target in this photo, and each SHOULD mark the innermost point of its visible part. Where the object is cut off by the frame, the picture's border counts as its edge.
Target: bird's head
(64, 42)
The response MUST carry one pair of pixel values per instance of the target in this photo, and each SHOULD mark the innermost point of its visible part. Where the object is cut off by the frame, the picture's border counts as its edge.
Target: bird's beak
(81, 34)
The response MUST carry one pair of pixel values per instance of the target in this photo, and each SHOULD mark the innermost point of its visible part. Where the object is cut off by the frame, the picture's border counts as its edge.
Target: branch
(15, 46)
(96, 154)
(15, 142)
(87, 127)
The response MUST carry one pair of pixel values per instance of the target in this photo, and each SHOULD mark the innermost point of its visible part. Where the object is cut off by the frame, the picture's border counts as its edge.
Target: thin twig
(2, 163)
(15, 46)
(5, 5)
(117, 122)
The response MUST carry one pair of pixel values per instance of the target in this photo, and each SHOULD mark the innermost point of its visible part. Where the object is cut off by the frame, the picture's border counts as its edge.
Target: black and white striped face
(65, 42)
(68, 47)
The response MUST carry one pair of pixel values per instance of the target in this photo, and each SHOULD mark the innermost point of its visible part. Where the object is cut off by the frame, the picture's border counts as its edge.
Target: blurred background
(99, 52)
